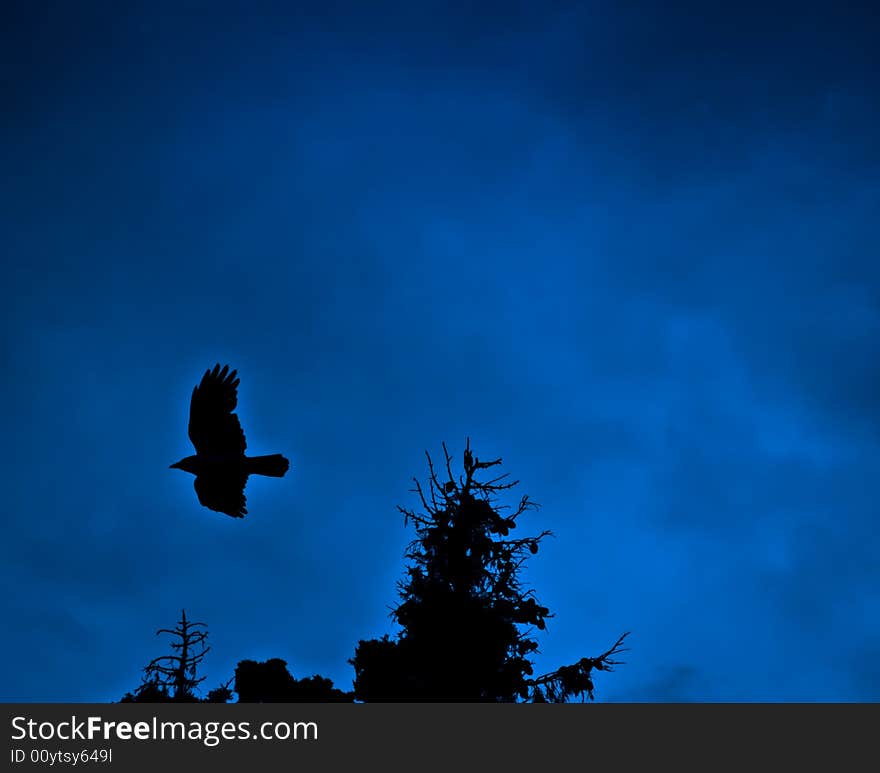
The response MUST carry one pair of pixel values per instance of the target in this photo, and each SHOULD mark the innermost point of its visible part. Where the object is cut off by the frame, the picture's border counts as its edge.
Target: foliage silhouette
(271, 682)
(466, 618)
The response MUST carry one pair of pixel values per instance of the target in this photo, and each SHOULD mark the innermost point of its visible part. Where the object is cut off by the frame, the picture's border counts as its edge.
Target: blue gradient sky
(631, 248)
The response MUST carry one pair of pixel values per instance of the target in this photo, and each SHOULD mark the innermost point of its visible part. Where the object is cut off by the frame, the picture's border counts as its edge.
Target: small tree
(465, 615)
(173, 677)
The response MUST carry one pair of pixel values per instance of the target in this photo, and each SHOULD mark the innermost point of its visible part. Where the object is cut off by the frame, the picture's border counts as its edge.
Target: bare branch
(448, 463)
(421, 495)
(407, 514)
(604, 661)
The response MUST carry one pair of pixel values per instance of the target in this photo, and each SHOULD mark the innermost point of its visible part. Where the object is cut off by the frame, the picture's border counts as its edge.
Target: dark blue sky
(630, 247)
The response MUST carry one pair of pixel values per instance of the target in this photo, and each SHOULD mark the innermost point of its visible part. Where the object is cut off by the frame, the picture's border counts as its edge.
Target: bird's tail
(274, 465)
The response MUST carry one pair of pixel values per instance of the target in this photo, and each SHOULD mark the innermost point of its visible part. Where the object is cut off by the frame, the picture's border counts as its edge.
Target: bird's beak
(174, 466)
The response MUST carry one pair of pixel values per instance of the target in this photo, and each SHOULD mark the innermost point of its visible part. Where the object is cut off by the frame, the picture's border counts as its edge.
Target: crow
(220, 465)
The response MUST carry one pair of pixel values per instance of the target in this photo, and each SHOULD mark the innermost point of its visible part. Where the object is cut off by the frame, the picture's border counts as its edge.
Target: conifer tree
(173, 677)
(466, 618)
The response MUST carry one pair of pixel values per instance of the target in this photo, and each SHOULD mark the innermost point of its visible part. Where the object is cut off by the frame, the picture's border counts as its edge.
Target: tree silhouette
(172, 678)
(271, 682)
(465, 615)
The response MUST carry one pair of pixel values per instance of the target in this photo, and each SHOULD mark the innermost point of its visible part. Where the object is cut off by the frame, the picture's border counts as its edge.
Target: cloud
(677, 683)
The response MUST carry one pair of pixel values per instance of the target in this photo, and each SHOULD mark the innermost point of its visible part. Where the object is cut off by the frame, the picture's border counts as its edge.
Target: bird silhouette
(219, 464)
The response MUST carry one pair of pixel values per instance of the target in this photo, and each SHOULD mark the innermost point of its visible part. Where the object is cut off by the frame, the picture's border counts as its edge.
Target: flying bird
(219, 464)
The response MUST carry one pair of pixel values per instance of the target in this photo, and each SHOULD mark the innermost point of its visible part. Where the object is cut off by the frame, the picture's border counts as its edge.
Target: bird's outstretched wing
(223, 493)
(213, 427)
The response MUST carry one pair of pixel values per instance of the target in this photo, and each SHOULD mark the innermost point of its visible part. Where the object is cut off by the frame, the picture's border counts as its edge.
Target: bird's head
(187, 464)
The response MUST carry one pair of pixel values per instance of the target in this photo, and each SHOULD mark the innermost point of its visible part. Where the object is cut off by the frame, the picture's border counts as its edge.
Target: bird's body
(220, 464)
